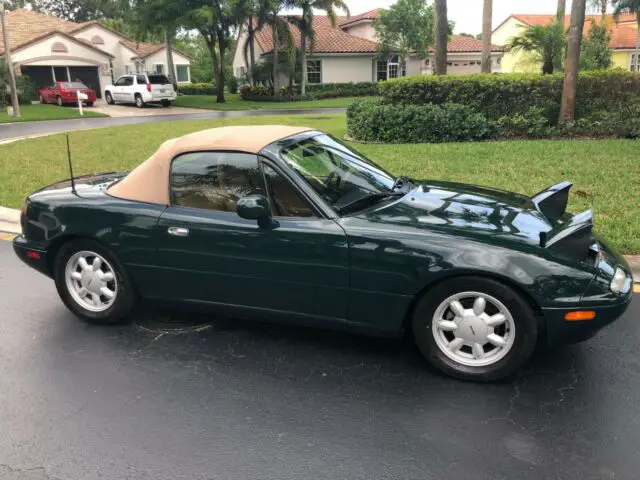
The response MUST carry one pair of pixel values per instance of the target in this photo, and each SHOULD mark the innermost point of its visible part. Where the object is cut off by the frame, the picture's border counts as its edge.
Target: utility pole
(7, 56)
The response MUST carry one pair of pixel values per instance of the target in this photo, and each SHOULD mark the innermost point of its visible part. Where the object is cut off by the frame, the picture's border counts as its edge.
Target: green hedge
(198, 89)
(372, 121)
(501, 95)
(314, 92)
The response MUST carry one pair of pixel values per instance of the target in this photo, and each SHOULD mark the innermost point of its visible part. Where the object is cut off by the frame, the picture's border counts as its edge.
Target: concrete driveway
(130, 110)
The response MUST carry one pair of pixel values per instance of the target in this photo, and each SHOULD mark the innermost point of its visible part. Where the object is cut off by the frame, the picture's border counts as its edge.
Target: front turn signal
(580, 315)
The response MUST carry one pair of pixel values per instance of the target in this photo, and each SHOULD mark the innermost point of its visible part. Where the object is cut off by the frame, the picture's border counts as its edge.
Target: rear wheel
(92, 283)
(475, 329)
(166, 103)
(59, 101)
(108, 98)
(139, 101)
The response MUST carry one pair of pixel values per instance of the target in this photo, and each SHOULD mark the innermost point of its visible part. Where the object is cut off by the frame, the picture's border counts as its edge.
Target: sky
(468, 13)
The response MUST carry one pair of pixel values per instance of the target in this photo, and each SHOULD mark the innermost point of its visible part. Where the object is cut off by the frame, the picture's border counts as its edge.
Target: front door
(207, 253)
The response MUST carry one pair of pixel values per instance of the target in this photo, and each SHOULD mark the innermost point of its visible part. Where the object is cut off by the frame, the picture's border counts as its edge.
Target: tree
(281, 37)
(80, 10)
(562, 8)
(304, 23)
(600, 5)
(547, 42)
(217, 21)
(487, 14)
(161, 15)
(441, 37)
(633, 7)
(596, 54)
(407, 27)
(572, 65)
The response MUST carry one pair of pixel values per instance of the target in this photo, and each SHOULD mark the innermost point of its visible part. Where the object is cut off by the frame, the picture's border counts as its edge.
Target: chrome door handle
(178, 232)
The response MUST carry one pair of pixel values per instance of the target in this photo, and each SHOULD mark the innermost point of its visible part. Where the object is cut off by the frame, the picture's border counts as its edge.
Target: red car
(66, 92)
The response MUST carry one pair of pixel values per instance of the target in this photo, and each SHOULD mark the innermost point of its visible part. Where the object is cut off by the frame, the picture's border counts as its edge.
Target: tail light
(148, 87)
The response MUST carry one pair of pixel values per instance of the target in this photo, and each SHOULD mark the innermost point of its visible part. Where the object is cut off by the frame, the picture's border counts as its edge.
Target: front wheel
(475, 328)
(41, 98)
(108, 98)
(59, 101)
(166, 103)
(92, 283)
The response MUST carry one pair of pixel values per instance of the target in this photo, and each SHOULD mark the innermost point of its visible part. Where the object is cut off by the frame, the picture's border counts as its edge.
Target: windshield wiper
(368, 200)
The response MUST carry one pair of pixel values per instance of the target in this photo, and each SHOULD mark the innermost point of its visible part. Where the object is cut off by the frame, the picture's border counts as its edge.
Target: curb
(10, 223)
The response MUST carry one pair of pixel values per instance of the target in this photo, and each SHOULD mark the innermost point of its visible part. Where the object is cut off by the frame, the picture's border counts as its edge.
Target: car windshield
(158, 80)
(345, 179)
(74, 85)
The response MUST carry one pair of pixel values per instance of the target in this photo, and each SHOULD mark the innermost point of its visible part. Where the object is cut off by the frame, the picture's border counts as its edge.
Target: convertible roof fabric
(149, 181)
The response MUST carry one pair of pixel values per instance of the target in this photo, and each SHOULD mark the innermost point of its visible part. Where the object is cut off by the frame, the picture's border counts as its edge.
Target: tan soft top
(149, 182)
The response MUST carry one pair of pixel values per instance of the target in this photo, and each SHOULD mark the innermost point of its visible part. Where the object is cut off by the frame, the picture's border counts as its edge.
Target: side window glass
(128, 81)
(286, 201)
(141, 80)
(214, 180)
(120, 82)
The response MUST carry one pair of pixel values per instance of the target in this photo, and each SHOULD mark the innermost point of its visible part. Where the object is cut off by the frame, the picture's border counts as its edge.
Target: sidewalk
(10, 223)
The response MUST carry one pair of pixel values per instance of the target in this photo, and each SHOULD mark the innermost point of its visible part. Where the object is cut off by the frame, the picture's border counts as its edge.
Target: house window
(97, 40)
(182, 73)
(314, 71)
(127, 69)
(633, 64)
(59, 47)
(159, 68)
(393, 68)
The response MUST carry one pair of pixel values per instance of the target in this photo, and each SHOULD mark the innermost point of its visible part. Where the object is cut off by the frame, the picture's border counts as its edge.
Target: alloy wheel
(473, 329)
(91, 281)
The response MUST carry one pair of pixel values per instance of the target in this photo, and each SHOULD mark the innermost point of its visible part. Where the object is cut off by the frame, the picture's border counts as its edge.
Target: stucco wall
(238, 56)
(363, 30)
(161, 58)
(346, 69)
(111, 45)
(511, 62)
(622, 59)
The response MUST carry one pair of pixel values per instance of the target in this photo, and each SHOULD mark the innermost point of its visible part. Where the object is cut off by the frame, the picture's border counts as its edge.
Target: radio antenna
(73, 182)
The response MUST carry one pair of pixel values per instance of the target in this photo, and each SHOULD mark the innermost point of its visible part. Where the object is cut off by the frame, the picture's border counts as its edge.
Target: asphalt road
(22, 129)
(239, 400)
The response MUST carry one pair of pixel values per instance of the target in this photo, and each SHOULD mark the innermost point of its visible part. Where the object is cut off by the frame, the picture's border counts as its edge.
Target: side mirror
(256, 207)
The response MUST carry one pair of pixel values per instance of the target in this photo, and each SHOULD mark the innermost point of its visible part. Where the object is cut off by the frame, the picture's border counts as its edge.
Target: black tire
(139, 101)
(59, 101)
(125, 298)
(108, 98)
(89, 104)
(41, 98)
(166, 103)
(524, 317)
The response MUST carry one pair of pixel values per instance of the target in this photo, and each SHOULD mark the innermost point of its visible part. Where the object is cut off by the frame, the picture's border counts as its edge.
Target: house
(624, 33)
(347, 52)
(50, 49)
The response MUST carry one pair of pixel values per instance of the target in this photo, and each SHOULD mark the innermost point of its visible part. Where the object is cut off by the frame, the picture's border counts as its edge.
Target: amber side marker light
(581, 315)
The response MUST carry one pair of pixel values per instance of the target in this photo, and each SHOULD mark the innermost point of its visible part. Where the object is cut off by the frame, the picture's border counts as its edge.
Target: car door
(127, 89)
(207, 253)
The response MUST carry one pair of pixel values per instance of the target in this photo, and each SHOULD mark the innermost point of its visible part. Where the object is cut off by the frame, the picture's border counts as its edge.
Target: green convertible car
(283, 223)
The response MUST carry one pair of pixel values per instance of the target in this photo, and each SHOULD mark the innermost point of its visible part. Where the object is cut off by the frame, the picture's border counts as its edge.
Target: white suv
(140, 89)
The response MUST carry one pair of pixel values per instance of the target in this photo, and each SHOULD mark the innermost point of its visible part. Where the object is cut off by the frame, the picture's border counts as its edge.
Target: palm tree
(572, 66)
(599, 5)
(304, 23)
(253, 10)
(269, 11)
(546, 41)
(562, 9)
(442, 37)
(487, 14)
(633, 7)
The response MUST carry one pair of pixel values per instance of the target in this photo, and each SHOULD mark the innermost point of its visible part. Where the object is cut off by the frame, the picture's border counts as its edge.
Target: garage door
(41, 76)
(87, 75)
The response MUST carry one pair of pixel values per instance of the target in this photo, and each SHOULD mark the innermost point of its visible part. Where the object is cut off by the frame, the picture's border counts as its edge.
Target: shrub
(198, 88)
(26, 90)
(314, 92)
(233, 84)
(535, 122)
(501, 95)
(374, 121)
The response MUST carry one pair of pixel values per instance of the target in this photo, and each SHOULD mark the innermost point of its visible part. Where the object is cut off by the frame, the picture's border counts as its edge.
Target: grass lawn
(234, 102)
(606, 173)
(30, 113)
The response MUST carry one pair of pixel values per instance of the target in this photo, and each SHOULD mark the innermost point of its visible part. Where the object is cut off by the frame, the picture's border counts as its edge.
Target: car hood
(466, 210)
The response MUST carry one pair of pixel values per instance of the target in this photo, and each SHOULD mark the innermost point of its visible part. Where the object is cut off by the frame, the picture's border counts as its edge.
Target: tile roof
(329, 39)
(370, 15)
(26, 27)
(623, 31)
